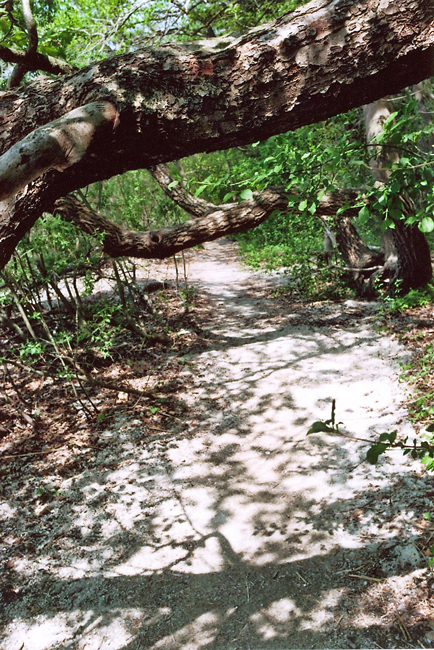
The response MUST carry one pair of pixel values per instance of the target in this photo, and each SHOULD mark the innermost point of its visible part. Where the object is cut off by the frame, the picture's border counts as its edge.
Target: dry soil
(232, 529)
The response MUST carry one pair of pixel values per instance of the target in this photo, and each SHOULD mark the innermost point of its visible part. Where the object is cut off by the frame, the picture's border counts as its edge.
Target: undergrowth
(68, 313)
(407, 317)
(414, 298)
(308, 276)
(410, 318)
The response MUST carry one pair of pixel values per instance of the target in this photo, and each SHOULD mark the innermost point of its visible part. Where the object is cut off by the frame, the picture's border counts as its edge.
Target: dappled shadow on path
(232, 529)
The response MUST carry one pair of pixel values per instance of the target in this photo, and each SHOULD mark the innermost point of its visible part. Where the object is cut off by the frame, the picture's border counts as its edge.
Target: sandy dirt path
(234, 530)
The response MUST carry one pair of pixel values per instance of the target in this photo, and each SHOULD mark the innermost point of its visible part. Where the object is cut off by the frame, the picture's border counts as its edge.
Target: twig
(349, 570)
(14, 386)
(169, 415)
(352, 269)
(33, 453)
(339, 620)
(120, 388)
(404, 629)
(48, 451)
(361, 577)
(304, 581)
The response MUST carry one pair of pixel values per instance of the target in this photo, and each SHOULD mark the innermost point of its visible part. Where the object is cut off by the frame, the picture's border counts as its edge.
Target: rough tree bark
(179, 99)
(407, 258)
(209, 221)
(357, 255)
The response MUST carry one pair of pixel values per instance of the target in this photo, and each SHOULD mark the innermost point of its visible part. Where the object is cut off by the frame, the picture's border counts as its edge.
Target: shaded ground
(219, 524)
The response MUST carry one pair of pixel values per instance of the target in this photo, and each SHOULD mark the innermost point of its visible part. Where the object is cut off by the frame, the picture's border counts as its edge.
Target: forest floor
(213, 521)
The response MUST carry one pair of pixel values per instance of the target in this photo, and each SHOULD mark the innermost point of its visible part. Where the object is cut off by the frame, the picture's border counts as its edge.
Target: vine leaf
(320, 427)
(375, 451)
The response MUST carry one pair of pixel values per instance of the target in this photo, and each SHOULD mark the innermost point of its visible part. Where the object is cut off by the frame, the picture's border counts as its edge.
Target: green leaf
(172, 184)
(320, 427)
(388, 437)
(426, 225)
(387, 223)
(302, 205)
(199, 190)
(312, 208)
(228, 196)
(394, 213)
(246, 195)
(375, 451)
(428, 462)
(364, 213)
(430, 427)
(427, 516)
(390, 118)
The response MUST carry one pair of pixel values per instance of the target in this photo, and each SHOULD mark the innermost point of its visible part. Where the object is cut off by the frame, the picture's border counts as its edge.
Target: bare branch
(219, 221)
(19, 71)
(165, 242)
(57, 145)
(194, 205)
(35, 61)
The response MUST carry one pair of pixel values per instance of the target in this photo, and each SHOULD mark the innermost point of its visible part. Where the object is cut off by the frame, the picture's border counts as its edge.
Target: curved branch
(57, 145)
(328, 205)
(194, 205)
(32, 31)
(165, 242)
(220, 221)
(31, 60)
(35, 61)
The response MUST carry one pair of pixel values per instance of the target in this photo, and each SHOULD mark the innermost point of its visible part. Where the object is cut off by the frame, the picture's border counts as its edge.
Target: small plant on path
(423, 450)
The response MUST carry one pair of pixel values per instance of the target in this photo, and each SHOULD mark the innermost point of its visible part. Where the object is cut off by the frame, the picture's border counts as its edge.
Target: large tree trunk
(411, 267)
(364, 261)
(175, 100)
(407, 258)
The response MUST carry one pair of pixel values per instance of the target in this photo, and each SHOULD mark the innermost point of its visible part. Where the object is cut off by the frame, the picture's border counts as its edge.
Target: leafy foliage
(414, 298)
(423, 450)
